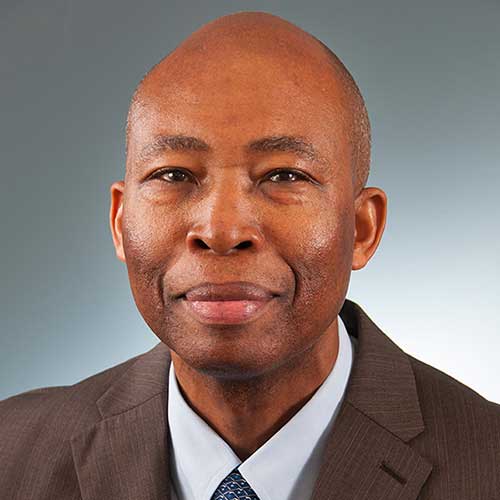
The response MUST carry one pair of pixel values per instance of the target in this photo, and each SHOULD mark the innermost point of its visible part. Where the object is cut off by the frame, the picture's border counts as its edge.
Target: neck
(246, 413)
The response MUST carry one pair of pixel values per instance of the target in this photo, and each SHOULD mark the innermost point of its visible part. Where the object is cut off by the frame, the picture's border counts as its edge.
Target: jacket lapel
(367, 455)
(125, 455)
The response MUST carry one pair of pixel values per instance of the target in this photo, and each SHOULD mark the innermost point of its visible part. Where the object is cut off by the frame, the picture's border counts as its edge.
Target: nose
(226, 223)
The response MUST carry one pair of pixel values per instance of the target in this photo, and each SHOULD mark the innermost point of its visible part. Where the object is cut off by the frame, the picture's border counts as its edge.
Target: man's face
(223, 213)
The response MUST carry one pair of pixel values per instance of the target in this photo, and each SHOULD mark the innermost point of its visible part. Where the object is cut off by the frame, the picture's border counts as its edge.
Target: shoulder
(439, 389)
(462, 432)
(38, 406)
(42, 420)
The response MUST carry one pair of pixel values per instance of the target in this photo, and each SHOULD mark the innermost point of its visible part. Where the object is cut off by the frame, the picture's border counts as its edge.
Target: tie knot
(234, 487)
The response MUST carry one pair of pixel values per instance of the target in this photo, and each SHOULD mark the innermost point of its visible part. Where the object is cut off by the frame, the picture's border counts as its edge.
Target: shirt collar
(201, 459)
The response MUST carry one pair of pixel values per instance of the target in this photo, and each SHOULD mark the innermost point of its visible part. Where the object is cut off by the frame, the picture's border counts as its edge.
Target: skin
(226, 217)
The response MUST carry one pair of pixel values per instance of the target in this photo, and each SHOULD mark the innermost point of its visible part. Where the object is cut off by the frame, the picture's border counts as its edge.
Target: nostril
(201, 243)
(244, 244)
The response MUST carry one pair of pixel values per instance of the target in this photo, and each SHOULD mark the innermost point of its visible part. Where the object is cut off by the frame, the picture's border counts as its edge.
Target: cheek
(322, 259)
(146, 235)
(147, 245)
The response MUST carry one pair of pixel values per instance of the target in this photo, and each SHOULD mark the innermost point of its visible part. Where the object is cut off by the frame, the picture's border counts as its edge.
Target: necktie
(234, 487)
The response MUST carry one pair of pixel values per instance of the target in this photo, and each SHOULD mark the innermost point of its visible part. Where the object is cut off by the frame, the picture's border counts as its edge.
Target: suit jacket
(405, 431)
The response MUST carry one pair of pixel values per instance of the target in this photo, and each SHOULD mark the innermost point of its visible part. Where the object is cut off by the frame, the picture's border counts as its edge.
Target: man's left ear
(370, 215)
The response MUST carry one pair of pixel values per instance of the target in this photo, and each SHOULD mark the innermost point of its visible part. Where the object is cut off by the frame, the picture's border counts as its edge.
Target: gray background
(430, 74)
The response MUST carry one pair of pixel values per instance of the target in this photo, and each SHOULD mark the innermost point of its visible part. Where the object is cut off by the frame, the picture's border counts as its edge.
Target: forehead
(231, 97)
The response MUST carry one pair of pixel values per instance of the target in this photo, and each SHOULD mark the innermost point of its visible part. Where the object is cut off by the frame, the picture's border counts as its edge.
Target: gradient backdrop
(430, 74)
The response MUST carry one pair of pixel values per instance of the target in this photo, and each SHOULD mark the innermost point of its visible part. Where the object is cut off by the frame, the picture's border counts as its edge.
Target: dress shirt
(285, 467)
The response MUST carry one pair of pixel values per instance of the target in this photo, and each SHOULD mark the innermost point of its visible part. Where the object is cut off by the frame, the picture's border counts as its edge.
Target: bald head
(249, 49)
(247, 150)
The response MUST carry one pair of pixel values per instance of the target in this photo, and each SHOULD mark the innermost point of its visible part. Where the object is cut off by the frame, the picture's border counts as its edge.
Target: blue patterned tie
(234, 487)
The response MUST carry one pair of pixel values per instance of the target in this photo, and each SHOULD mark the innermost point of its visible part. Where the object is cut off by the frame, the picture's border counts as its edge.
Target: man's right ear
(115, 217)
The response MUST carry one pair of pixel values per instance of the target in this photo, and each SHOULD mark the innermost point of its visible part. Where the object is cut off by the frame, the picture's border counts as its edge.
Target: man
(243, 211)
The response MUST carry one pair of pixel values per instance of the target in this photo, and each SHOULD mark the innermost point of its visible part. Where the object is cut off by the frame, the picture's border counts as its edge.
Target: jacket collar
(126, 455)
(367, 455)
(382, 384)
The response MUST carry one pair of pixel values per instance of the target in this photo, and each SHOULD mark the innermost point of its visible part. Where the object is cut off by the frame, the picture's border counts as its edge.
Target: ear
(115, 217)
(370, 215)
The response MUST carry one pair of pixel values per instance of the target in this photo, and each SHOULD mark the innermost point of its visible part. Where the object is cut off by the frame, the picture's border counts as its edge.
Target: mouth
(225, 312)
(230, 302)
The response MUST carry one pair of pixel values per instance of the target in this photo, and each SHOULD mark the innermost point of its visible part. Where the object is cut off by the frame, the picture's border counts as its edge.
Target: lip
(228, 291)
(231, 302)
(226, 311)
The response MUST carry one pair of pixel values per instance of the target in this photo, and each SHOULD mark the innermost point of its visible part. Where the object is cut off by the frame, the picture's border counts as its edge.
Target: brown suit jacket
(405, 431)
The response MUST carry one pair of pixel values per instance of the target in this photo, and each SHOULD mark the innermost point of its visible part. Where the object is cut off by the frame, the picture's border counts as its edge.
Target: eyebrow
(282, 143)
(172, 143)
(287, 144)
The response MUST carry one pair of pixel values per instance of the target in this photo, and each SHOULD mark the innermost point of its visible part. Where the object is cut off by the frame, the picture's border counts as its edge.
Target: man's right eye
(170, 174)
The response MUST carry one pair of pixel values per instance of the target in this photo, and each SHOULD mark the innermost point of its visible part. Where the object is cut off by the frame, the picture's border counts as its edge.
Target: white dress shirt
(285, 467)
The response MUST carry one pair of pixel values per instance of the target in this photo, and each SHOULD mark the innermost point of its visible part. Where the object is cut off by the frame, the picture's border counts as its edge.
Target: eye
(174, 175)
(170, 175)
(290, 174)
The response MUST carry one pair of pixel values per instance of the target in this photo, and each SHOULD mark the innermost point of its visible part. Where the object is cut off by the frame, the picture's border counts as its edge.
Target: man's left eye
(291, 174)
